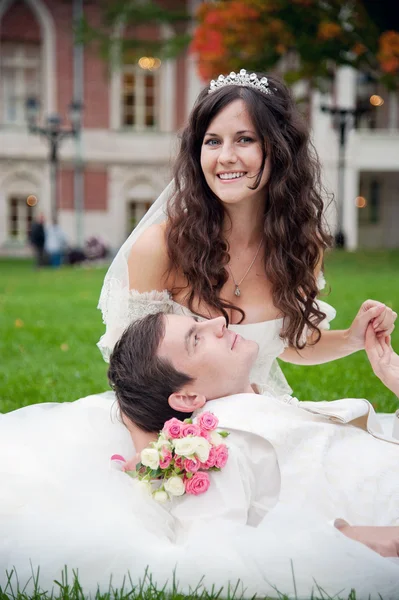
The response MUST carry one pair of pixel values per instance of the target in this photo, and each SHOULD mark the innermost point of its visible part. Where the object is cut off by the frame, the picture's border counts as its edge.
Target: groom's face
(217, 359)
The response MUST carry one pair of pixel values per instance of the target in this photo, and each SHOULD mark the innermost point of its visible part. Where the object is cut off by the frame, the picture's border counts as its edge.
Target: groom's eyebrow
(189, 333)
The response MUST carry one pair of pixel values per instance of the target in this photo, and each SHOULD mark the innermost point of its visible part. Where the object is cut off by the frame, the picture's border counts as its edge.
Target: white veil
(114, 297)
(115, 293)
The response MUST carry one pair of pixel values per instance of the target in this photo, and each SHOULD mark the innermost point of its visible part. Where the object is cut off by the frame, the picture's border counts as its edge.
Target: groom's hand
(383, 540)
(380, 316)
(384, 361)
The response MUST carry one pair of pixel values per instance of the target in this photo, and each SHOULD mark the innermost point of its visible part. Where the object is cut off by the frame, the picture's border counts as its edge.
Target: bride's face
(231, 156)
(216, 358)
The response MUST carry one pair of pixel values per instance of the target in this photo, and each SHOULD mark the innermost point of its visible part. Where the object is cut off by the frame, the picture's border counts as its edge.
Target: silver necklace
(237, 291)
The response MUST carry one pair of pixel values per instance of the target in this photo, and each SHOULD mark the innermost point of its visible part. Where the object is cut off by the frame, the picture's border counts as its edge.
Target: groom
(168, 366)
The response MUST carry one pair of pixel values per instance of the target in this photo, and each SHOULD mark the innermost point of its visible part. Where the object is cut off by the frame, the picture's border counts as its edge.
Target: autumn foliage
(301, 38)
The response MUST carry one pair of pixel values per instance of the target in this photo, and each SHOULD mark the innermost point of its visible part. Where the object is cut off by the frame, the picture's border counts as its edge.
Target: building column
(345, 88)
(350, 212)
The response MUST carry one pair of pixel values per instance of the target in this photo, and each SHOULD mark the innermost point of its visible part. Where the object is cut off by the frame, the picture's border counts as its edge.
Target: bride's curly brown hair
(295, 236)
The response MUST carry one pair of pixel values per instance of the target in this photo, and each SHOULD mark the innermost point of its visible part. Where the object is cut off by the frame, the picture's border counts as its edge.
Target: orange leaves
(328, 31)
(388, 54)
(256, 34)
(222, 27)
(359, 49)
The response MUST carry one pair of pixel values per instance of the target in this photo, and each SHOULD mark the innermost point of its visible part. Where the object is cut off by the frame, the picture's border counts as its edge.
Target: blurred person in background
(37, 239)
(55, 244)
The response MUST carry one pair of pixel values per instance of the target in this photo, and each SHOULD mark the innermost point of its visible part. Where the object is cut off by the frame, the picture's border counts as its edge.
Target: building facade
(109, 176)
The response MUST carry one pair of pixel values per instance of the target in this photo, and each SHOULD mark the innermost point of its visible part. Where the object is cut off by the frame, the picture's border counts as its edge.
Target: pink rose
(205, 434)
(190, 429)
(165, 458)
(211, 459)
(191, 465)
(173, 428)
(207, 421)
(179, 462)
(222, 454)
(197, 484)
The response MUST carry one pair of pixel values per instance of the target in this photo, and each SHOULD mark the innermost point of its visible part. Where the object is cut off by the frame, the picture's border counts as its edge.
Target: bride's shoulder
(152, 240)
(149, 261)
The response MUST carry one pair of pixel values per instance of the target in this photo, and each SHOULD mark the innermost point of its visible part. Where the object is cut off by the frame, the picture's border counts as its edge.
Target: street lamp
(343, 119)
(54, 133)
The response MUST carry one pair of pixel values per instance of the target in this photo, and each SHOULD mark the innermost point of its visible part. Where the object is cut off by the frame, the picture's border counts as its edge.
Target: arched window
(20, 78)
(140, 98)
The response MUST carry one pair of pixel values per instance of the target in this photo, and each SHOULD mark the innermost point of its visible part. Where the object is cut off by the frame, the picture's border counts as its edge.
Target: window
(20, 217)
(139, 98)
(20, 73)
(370, 213)
(136, 211)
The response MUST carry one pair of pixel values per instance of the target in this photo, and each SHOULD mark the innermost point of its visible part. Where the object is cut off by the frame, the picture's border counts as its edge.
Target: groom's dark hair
(143, 381)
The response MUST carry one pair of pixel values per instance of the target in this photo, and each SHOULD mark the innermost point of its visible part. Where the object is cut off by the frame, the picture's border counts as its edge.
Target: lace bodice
(266, 373)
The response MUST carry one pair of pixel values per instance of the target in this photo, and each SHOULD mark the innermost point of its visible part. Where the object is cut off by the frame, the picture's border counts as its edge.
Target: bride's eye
(196, 340)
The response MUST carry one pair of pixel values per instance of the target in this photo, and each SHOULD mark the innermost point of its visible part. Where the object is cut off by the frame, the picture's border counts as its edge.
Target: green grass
(49, 328)
(69, 588)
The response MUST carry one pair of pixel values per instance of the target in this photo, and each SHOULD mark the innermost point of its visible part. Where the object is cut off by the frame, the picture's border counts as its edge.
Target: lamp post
(343, 119)
(54, 133)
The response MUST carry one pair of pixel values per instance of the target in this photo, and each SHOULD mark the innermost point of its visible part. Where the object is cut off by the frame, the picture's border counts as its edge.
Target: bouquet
(178, 461)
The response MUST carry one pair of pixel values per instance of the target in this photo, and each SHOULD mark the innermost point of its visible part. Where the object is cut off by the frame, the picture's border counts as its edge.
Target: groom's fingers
(371, 314)
(372, 345)
(378, 321)
(385, 322)
(386, 350)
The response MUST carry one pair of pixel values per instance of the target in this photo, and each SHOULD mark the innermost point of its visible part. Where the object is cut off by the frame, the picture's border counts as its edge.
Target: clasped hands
(376, 314)
(371, 330)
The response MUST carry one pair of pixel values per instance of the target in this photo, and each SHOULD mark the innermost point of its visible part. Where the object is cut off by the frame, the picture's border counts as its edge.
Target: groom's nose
(218, 326)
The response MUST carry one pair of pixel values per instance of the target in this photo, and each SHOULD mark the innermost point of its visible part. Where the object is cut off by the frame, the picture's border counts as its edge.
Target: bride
(238, 233)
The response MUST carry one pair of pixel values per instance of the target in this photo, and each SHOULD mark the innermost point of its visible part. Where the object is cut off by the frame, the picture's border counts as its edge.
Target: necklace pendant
(237, 291)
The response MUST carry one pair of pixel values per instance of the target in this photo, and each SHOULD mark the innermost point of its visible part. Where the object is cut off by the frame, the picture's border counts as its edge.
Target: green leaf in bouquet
(133, 474)
(155, 473)
(223, 434)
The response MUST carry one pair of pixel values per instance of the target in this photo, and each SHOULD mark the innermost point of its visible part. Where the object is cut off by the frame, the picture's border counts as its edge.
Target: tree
(303, 39)
(133, 26)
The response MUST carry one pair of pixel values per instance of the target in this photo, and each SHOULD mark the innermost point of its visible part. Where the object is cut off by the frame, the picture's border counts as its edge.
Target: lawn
(49, 328)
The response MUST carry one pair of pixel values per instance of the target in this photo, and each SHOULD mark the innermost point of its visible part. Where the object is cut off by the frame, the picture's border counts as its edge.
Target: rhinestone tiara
(241, 78)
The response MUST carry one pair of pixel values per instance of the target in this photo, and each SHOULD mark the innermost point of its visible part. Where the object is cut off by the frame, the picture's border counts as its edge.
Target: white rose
(217, 439)
(160, 496)
(185, 446)
(175, 486)
(150, 458)
(162, 442)
(202, 448)
(145, 487)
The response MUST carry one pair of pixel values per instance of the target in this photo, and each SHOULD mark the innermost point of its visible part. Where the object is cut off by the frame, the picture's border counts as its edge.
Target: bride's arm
(339, 343)
(148, 261)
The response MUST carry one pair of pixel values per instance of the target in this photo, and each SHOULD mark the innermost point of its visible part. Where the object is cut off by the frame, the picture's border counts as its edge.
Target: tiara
(241, 78)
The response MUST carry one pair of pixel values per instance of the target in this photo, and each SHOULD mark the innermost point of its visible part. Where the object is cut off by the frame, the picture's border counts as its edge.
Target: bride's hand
(130, 465)
(384, 540)
(384, 361)
(372, 312)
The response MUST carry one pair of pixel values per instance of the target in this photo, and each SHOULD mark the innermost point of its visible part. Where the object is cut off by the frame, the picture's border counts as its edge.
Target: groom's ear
(186, 402)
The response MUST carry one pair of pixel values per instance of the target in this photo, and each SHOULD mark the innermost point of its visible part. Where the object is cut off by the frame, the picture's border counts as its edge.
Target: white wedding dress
(62, 502)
